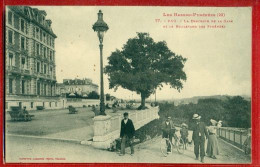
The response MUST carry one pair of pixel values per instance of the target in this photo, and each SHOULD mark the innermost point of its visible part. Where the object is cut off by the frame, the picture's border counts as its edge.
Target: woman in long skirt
(212, 147)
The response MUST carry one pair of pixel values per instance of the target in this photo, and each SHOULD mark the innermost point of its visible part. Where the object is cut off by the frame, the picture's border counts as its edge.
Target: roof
(33, 14)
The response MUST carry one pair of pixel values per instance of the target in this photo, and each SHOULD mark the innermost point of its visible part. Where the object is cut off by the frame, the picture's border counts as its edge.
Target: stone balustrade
(107, 128)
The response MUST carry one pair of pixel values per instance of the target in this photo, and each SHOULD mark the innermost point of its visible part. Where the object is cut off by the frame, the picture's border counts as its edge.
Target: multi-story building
(30, 59)
(80, 86)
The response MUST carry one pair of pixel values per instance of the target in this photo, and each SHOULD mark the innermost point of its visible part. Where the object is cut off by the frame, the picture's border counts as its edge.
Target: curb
(47, 138)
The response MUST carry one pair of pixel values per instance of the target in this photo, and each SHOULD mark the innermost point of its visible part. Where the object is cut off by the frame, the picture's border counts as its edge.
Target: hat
(214, 122)
(196, 116)
(169, 117)
(125, 114)
(184, 125)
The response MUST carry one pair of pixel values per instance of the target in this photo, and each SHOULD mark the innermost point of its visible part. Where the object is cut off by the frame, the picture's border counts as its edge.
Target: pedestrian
(184, 134)
(198, 136)
(168, 130)
(212, 147)
(127, 134)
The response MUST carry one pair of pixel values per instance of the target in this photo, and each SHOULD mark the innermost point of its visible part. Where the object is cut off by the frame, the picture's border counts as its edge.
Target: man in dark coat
(198, 136)
(126, 134)
(168, 130)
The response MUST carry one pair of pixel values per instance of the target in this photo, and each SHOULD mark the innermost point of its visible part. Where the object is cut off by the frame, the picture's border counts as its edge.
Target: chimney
(49, 22)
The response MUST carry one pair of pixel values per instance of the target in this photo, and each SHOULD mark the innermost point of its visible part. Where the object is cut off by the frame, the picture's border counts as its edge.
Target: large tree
(143, 65)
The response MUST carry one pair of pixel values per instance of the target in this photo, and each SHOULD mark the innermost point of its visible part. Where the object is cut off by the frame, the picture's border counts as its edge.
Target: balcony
(25, 71)
(46, 76)
(13, 69)
(24, 52)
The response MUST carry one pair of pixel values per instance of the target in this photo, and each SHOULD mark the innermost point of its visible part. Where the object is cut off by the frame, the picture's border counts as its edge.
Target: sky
(219, 60)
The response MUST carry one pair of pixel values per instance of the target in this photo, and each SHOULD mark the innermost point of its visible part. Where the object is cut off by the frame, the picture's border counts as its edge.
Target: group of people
(200, 134)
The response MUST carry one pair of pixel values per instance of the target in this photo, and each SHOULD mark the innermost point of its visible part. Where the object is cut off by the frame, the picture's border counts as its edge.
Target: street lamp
(101, 27)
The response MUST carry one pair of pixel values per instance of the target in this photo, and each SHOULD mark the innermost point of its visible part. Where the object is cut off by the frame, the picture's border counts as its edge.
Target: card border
(255, 4)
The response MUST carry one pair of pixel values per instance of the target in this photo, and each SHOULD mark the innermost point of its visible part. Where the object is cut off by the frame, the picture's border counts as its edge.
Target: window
(10, 59)
(10, 86)
(34, 29)
(51, 70)
(48, 39)
(38, 88)
(37, 33)
(50, 55)
(23, 62)
(22, 25)
(41, 35)
(44, 89)
(22, 43)
(50, 104)
(38, 67)
(23, 86)
(55, 104)
(38, 49)
(51, 89)
(44, 68)
(10, 18)
(44, 52)
(31, 104)
(10, 37)
(44, 37)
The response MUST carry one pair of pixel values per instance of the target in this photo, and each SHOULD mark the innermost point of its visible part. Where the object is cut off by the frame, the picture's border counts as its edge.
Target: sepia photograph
(128, 84)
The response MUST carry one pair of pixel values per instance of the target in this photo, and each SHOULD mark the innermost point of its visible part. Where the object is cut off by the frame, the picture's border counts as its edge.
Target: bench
(17, 114)
(72, 110)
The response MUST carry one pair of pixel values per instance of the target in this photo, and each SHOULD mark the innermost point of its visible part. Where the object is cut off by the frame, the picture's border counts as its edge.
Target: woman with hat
(212, 147)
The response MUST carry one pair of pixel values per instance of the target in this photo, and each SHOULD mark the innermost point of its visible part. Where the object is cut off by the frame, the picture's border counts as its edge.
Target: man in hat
(127, 134)
(168, 131)
(198, 136)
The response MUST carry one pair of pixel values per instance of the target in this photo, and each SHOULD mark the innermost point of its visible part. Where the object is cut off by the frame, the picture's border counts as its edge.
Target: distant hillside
(196, 98)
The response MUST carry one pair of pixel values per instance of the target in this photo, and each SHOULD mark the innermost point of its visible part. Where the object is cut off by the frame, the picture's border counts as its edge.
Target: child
(184, 134)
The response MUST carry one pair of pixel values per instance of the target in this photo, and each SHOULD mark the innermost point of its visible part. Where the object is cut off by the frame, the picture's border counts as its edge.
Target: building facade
(80, 86)
(30, 59)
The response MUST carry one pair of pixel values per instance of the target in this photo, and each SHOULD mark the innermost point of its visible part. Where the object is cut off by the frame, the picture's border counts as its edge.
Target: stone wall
(107, 128)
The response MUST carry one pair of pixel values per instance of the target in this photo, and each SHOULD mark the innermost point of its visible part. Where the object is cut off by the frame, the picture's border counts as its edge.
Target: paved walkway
(40, 150)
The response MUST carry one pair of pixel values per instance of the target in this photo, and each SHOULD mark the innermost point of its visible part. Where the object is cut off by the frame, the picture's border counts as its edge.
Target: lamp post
(101, 27)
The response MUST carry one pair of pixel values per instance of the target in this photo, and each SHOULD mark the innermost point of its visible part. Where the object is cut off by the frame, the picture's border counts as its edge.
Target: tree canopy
(143, 65)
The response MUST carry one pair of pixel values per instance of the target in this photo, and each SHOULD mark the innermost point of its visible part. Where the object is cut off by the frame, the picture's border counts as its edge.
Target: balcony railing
(46, 76)
(25, 71)
(13, 69)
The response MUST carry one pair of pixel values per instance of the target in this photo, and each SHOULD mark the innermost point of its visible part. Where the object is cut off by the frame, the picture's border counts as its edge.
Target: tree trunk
(142, 101)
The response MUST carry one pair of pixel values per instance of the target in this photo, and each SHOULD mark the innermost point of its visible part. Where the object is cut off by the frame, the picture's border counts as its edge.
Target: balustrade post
(234, 132)
(241, 145)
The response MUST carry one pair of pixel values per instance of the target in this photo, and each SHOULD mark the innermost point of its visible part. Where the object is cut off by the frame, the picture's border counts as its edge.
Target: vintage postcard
(128, 84)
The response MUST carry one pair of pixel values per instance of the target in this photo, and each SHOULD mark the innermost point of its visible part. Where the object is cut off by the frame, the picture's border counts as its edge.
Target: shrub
(151, 129)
